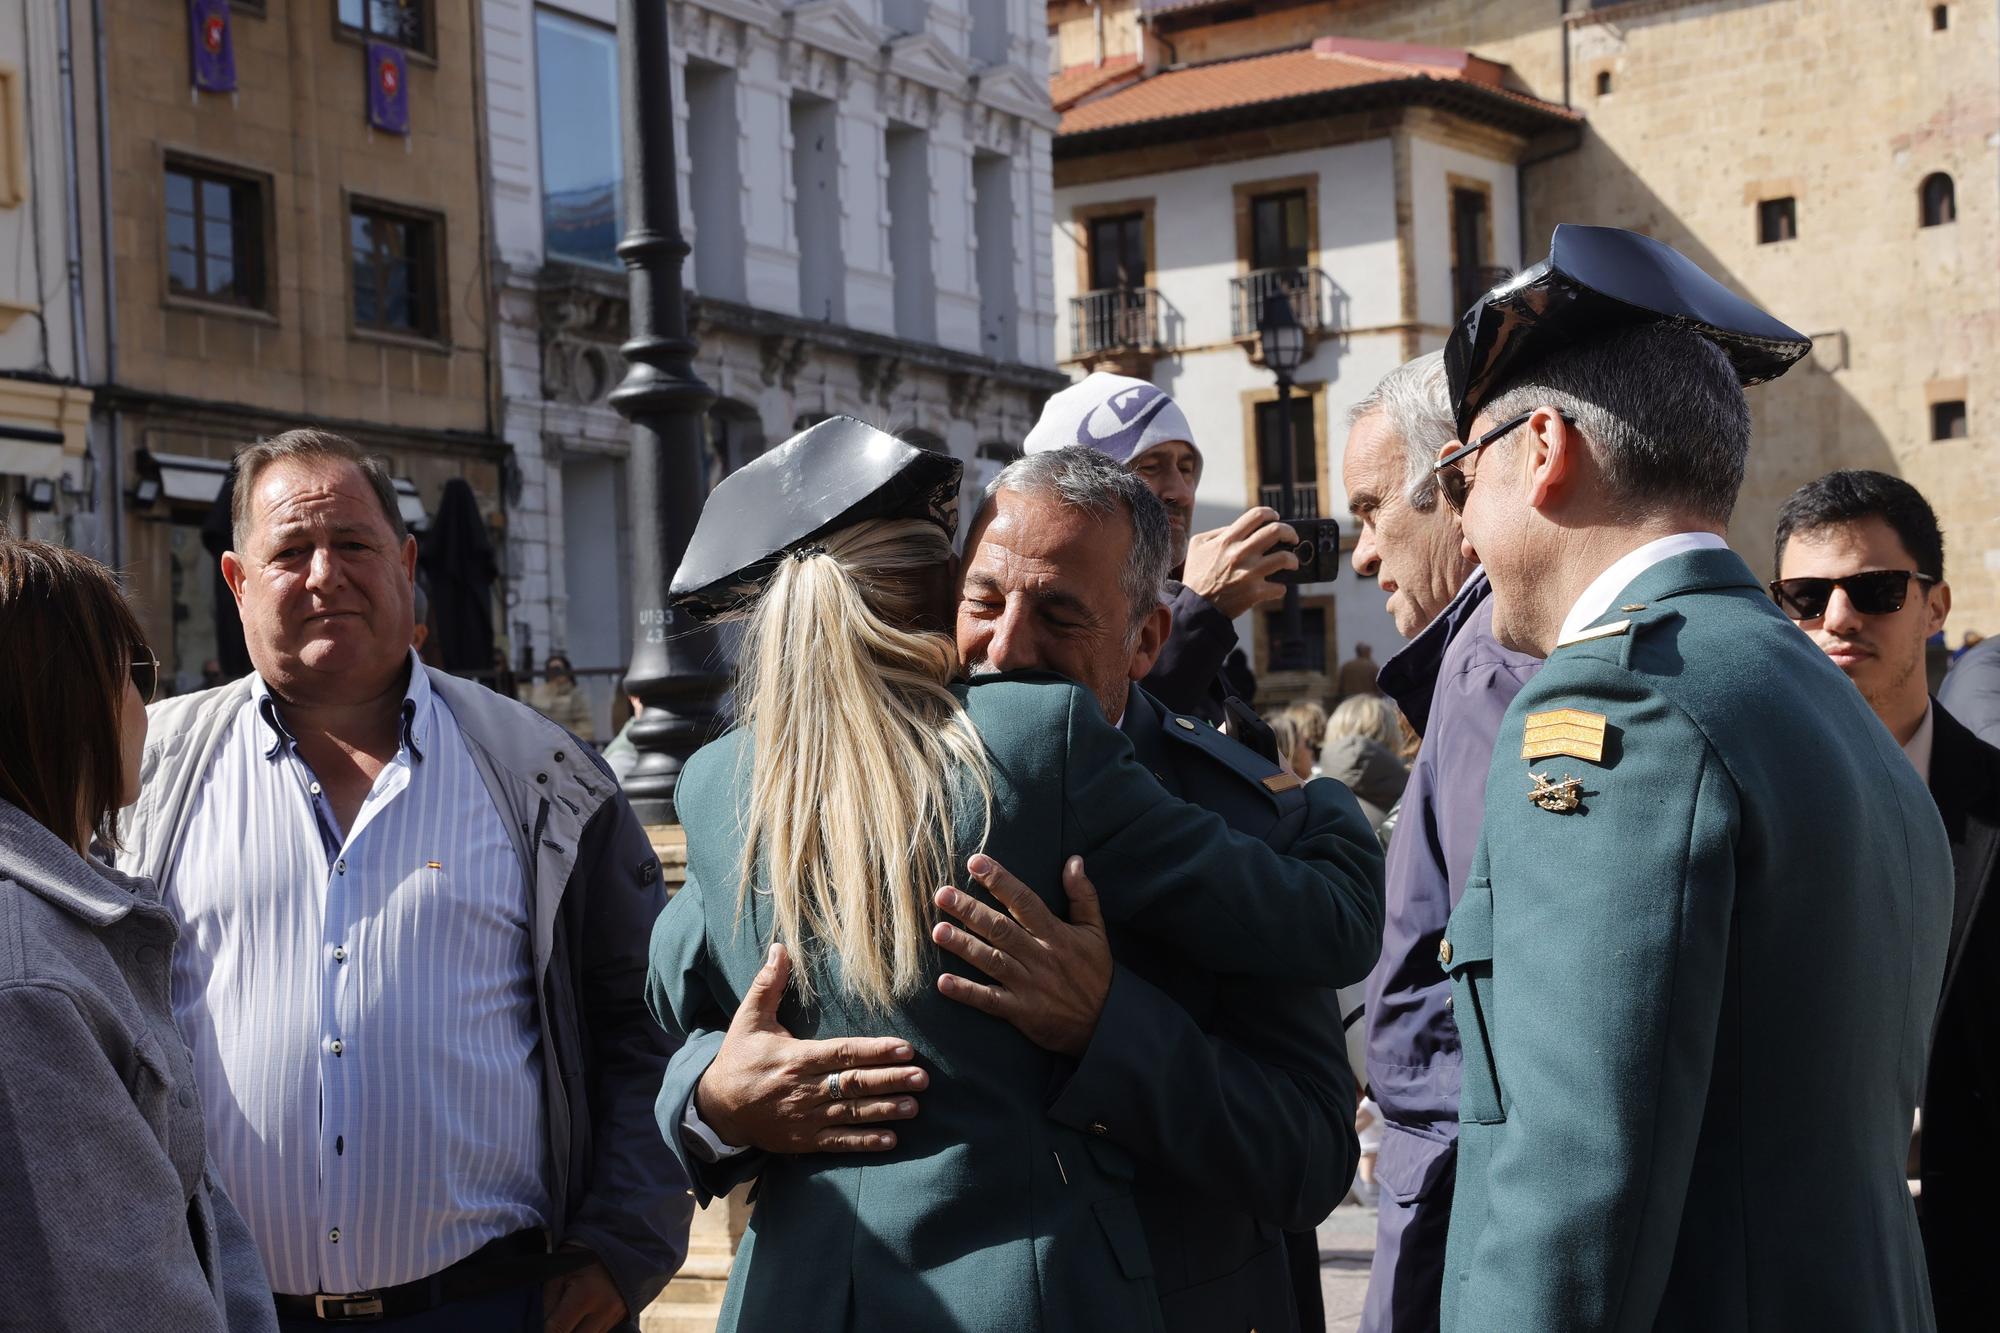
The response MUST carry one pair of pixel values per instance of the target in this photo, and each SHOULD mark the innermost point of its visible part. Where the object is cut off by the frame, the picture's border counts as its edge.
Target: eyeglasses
(1452, 479)
(146, 675)
(1875, 592)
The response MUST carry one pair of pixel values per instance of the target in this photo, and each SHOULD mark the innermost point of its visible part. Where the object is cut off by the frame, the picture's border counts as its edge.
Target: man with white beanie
(1218, 575)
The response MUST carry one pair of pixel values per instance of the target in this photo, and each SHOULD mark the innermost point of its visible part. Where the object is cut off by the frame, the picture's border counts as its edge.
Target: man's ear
(1937, 607)
(233, 574)
(1554, 453)
(1152, 637)
(410, 560)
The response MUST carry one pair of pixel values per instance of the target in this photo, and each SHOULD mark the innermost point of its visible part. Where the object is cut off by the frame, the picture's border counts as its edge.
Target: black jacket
(1961, 1148)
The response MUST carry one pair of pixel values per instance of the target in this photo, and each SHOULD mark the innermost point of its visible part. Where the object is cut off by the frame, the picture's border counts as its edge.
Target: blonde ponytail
(857, 746)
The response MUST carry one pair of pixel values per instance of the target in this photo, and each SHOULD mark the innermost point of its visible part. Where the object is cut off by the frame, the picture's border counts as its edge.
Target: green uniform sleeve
(1224, 899)
(1589, 958)
(682, 991)
(1257, 1114)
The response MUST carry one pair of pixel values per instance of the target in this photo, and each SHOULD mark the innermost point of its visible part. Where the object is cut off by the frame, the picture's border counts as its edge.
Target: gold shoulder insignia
(1610, 631)
(1571, 731)
(1283, 782)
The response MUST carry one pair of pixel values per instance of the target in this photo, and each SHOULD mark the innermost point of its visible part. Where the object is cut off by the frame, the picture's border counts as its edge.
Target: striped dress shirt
(360, 1004)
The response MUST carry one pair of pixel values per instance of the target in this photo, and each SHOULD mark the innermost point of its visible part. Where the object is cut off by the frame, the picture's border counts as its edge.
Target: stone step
(688, 1305)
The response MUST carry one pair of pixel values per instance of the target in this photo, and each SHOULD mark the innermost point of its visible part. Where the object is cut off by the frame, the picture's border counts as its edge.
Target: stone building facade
(264, 258)
(44, 392)
(1876, 120)
(1374, 185)
(866, 189)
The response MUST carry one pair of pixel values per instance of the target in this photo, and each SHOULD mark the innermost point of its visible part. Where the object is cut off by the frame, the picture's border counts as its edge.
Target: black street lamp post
(673, 669)
(1283, 344)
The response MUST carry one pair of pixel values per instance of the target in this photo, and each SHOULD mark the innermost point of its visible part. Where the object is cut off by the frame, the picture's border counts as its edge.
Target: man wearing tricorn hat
(1694, 1023)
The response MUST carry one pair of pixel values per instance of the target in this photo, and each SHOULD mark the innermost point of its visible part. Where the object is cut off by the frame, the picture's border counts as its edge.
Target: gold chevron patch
(1565, 731)
(1278, 782)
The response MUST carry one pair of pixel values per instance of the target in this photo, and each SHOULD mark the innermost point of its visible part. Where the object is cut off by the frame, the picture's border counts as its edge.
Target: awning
(187, 478)
(30, 451)
(411, 505)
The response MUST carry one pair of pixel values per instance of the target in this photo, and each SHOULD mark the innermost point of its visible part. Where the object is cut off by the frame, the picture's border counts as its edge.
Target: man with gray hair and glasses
(1453, 683)
(1230, 1099)
(1698, 957)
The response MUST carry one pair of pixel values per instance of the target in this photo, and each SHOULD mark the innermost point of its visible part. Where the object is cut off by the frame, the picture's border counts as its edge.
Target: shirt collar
(1918, 747)
(1604, 589)
(416, 719)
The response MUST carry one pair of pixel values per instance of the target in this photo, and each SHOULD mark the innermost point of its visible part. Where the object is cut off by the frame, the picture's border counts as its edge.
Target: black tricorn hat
(1595, 280)
(827, 477)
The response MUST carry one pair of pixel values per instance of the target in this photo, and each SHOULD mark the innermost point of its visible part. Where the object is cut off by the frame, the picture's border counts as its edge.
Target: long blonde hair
(856, 746)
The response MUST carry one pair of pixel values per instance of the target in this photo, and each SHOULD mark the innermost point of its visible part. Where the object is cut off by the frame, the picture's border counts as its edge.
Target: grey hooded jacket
(595, 888)
(113, 1217)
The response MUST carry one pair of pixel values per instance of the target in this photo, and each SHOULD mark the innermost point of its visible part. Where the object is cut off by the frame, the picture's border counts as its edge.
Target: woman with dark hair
(113, 1218)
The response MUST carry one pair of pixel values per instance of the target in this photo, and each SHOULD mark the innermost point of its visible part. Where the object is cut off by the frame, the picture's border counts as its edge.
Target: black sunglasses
(1451, 478)
(146, 675)
(1876, 592)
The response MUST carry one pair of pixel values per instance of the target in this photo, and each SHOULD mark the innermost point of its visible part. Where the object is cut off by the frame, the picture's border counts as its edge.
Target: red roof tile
(1329, 65)
(1079, 81)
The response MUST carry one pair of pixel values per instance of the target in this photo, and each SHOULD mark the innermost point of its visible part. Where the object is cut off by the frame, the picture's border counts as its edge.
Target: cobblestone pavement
(1346, 1248)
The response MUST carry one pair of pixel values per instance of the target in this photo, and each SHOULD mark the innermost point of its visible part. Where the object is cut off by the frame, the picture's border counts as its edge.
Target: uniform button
(340, 866)
(334, 1235)
(187, 1096)
(337, 1046)
(339, 954)
(1444, 953)
(314, 789)
(1098, 1128)
(1183, 724)
(559, 756)
(541, 777)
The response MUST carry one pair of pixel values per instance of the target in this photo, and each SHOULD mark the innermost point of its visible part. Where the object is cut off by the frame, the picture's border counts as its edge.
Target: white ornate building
(866, 185)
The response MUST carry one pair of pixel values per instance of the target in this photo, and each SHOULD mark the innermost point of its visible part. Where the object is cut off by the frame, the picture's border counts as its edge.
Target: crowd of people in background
(1624, 935)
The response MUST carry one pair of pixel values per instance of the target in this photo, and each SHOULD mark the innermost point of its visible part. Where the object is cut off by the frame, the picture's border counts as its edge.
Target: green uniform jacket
(989, 1215)
(1695, 1011)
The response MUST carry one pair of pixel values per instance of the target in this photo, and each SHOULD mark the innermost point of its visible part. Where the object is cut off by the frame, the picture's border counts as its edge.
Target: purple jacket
(1454, 682)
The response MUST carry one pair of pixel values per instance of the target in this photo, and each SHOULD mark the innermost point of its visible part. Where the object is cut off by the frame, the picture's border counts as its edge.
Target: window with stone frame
(1937, 201)
(396, 257)
(215, 222)
(1777, 220)
(404, 22)
(1271, 457)
(1948, 420)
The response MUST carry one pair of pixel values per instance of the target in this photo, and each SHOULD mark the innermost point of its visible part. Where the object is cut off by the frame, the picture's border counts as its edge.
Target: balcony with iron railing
(1305, 496)
(1469, 282)
(1310, 291)
(1113, 322)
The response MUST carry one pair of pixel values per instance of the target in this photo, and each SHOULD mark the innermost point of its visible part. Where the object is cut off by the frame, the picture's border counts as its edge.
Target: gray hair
(308, 445)
(1661, 409)
(1080, 478)
(1416, 398)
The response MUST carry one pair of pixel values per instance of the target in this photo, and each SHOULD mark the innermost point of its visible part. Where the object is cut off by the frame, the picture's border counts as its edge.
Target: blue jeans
(518, 1310)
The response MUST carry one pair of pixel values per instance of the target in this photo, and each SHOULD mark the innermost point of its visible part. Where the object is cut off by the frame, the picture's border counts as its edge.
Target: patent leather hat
(1597, 280)
(830, 476)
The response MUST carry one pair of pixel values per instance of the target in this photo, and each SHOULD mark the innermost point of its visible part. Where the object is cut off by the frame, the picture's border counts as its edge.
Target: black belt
(518, 1260)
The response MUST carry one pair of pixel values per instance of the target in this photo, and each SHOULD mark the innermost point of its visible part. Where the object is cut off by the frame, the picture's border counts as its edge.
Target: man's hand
(1053, 976)
(1232, 566)
(769, 1090)
(586, 1301)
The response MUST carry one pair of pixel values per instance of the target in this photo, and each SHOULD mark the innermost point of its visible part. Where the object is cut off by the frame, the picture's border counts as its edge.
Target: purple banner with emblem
(214, 52)
(388, 88)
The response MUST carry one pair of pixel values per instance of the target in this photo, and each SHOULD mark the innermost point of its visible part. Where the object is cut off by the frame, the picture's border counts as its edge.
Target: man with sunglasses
(1860, 565)
(1695, 964)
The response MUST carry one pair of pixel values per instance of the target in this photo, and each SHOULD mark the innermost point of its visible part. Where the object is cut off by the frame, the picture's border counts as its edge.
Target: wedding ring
(833, 1085)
